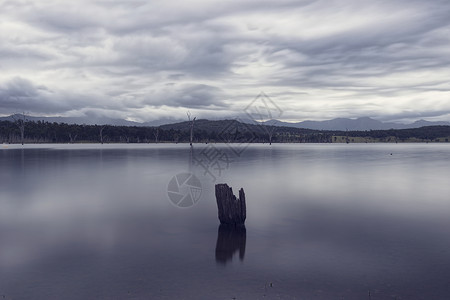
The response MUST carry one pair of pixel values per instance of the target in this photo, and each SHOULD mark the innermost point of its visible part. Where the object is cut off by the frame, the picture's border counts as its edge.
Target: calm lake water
(357, 221)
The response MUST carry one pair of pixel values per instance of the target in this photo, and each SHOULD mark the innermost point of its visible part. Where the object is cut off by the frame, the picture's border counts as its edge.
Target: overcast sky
(145, 60)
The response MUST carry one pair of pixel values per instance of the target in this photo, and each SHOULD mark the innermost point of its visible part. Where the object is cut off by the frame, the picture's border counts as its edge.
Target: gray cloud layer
(143, 60)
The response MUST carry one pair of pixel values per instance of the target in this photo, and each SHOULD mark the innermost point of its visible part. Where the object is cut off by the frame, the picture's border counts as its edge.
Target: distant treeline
(205, 131)
(422, 134)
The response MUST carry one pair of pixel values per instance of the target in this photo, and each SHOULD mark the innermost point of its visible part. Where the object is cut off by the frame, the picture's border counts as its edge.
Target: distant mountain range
(359, 124)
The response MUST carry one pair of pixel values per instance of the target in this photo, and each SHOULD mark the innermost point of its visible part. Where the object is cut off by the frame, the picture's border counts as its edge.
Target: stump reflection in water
(230, 239)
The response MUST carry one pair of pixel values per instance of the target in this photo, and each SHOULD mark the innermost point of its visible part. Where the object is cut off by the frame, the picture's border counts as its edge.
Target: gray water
(357, 221)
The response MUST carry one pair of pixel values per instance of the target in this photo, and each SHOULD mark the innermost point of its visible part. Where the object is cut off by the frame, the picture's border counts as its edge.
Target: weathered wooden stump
(232, 210)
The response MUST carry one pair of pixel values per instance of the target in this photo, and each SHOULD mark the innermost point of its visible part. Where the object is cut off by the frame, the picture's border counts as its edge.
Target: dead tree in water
(19, 120)
(232, 210)
(126, 138)
(270, 130)
(72, 137)
(156, 134)
(101, 133)
(191, 124)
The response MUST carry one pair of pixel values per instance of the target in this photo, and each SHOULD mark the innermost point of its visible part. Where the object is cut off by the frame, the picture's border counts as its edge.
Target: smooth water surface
(357, 221)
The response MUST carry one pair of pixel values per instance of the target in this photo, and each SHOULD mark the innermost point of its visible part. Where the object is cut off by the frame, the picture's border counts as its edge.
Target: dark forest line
(205, 131)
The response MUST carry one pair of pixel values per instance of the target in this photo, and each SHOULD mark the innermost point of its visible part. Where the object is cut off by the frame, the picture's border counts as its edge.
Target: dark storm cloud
(21, 95)
(327, 58)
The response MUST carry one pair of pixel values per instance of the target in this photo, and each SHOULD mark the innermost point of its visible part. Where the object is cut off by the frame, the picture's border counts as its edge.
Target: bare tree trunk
(20, 123)
(101, 133)
(192, 127)
(72, 138)
(269, 129)
(156, 134)
(192, 132)
(22, 133)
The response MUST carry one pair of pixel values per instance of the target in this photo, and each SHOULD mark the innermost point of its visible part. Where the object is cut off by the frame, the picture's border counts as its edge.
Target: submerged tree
(156, 134)
(101, 133)
(19, 120)
(191, 124)
(270, 128)
(72, 138)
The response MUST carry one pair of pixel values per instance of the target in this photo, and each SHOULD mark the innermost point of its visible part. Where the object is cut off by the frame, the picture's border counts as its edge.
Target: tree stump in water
(232, 210)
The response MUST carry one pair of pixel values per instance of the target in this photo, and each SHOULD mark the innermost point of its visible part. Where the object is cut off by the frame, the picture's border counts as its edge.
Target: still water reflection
(323, 222)
(230, 239)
